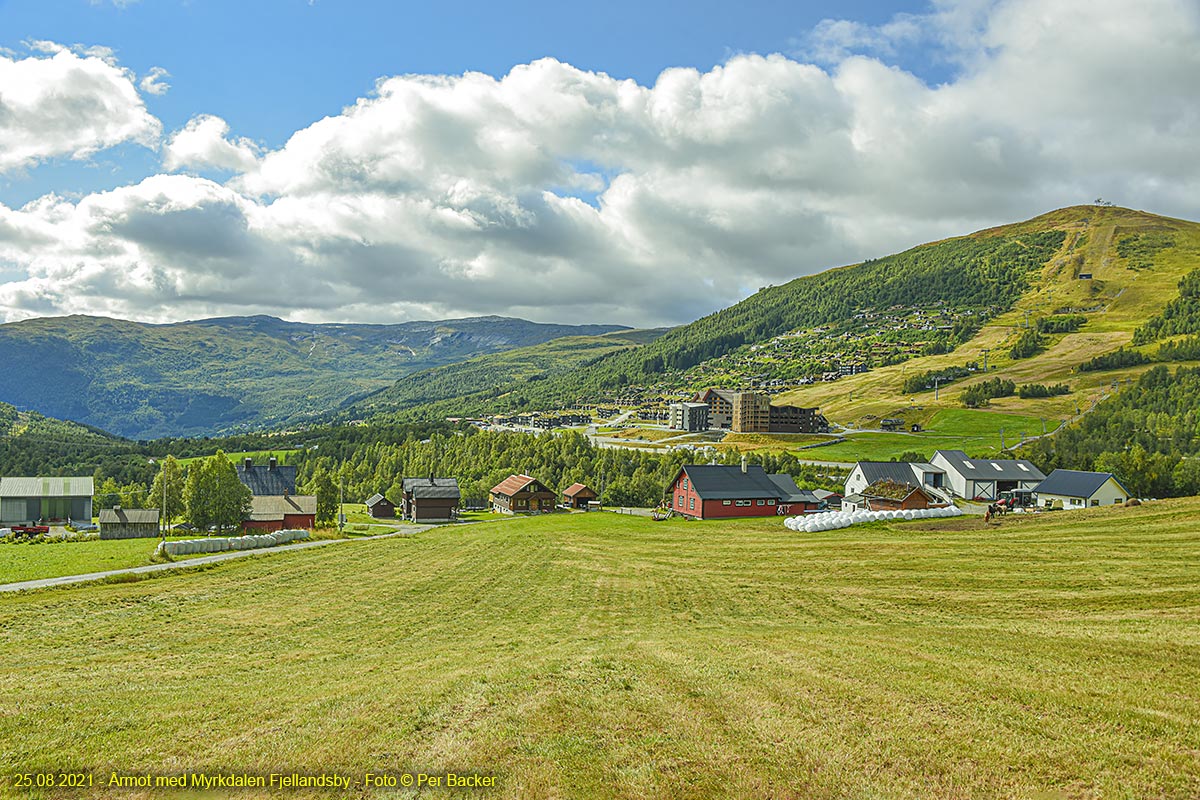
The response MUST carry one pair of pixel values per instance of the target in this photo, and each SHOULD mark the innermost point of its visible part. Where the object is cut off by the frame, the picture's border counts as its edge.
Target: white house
(866, 473)
(986, 478)
(1076, 489)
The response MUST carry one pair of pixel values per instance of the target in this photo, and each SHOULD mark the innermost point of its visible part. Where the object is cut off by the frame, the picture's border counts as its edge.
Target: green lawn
(972, 430)
(27, 562)
(598, 655)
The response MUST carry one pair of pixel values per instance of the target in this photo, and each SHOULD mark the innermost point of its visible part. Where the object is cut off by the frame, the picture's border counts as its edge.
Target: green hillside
(596, 655)
(1131, 285)
(237, 373)
(471, 386)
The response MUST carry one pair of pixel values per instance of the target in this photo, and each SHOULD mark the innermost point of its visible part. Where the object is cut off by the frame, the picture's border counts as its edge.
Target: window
(761, 502)
(998, 467)
(691, 504)
(743, 502)
(681, 501)
(1095, 502)
(968, 465)
(770, 502)
(685, 484)
(726, 502)
(1022, 467)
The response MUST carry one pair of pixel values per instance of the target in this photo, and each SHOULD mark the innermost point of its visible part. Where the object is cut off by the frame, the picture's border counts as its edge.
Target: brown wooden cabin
(577, 496)
(521, 494)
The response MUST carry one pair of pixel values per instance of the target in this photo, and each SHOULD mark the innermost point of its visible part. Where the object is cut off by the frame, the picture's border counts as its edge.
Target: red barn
(716, 492)
(282, 512)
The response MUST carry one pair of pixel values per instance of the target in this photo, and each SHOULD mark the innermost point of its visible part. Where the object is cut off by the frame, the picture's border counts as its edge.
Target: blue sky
(380, 161)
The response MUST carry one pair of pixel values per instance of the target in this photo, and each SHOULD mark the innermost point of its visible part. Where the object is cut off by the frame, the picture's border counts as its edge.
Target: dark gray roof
(895, 471)
(268, 481)
(717, 482)
(438, 488)
(126, 516)
(789, 492)
(991, 469)
(1075, 483)
(824, 494)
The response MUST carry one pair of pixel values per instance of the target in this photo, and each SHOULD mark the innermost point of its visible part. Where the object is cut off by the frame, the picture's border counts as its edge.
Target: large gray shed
(25, 500)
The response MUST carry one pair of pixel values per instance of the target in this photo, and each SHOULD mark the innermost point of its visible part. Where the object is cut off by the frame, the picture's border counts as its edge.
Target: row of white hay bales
(219, 544)
(832, 520)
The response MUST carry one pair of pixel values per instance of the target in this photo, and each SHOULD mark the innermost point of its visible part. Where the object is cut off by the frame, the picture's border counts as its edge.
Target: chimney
(743, 465)
(272, 462)
(285, 493)
(116, 508)
(248, 462)
(431, 480)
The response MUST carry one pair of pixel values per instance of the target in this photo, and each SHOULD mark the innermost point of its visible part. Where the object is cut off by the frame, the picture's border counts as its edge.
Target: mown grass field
(609, 656)
(27, 562)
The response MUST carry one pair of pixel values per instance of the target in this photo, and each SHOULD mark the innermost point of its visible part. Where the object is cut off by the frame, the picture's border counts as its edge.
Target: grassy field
(27, 562)
(605, 656)
(946, 429)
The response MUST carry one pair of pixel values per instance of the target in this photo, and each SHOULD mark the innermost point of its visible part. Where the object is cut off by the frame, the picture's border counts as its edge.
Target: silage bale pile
(219, 544)
(832, 520)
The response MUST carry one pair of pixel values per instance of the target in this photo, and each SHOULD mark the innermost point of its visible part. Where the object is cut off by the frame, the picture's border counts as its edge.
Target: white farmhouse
(866, 473)
(1076, 489)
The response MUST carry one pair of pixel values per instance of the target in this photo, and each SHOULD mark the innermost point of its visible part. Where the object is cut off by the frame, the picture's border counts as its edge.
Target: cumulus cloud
(153, 83)
(562, 194)
(204, 142)
(69, 104)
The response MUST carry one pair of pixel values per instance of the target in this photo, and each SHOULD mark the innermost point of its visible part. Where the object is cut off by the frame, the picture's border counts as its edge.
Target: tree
(170, 474)
(108, 495)
(213, 494)
(321, 485)
(1186, 477)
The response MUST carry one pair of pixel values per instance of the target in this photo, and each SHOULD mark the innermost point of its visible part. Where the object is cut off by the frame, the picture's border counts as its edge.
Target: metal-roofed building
(380, 507)
(1072, 488)
(128, 523)
(431, 499)
(277, 512)
(866, 473)
(986, 478)
(46, 499)
(713, 491)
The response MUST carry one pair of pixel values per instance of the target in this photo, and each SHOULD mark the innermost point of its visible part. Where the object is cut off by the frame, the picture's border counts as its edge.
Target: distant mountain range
(212, 376)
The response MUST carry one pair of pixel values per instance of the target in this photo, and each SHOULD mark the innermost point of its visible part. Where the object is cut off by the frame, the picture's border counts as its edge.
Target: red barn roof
(576, 488)
(512, 484)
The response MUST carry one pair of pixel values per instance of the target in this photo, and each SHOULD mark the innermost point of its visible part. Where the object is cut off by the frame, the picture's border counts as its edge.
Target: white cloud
(153, 83)
(204, 142)
(562, 194)
(68, 104)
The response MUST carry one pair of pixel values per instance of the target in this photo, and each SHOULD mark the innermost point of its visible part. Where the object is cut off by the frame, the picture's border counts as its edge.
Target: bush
(1115, 360)
(1029, 344)
(1028, 390)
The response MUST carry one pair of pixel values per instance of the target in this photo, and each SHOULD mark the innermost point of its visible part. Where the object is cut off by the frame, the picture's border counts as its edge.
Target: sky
(634, 163)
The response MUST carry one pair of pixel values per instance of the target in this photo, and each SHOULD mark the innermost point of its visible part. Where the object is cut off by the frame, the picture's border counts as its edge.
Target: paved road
(64, 580)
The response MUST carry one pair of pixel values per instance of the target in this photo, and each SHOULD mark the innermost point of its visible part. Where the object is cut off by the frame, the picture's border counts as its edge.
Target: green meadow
(597, 655)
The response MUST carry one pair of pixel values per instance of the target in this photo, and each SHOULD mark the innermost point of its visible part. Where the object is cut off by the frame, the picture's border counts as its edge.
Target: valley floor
(599, 655)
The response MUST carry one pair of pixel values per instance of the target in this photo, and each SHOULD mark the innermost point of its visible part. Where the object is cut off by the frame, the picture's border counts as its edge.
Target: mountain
(236, 373)
(1106, 270)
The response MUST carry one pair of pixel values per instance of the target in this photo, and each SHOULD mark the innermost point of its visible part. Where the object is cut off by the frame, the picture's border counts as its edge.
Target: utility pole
(164, 508)
(986, 350)
(341, 502)
(935, 387)
(1027, 319)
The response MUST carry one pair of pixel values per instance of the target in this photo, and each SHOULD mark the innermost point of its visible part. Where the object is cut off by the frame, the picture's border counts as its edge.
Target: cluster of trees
(1029, 390)
(1180, 316)
(1117, 359)
(925, 381)
(1028, 344)
(1183, 350)
(1147, 435)
(980, 393)
(482, 459)
(1061, 323)
(206, 492)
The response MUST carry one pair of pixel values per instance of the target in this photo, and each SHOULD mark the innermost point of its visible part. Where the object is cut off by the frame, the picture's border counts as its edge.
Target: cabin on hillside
(380, 507)
(578, 496)
(520, 494)
(270, 480)
(128, 523)
(270, 513)
(24, 500)
(432, 499)
(714, 491)
(1069, 488)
